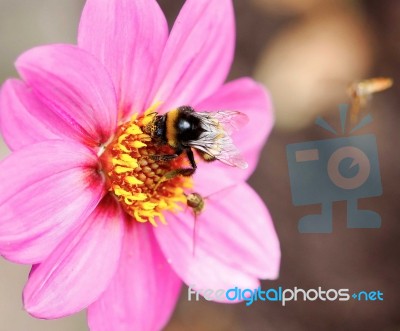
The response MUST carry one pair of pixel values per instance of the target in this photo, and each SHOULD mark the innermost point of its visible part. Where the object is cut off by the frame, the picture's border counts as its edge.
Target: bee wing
(229, 120)
(220, 146)
(216, 140)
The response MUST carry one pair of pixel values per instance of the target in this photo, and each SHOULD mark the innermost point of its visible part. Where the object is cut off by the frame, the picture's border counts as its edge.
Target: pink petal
(198, 54)
(235, 242)
(144, 291)
(223, 178)
(128, 37)
(19, 126)
(76, 88)
(47, 190)
(80, 268)
(248, 97)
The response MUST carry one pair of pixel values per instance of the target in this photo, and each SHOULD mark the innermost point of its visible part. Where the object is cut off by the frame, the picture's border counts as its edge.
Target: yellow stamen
(137, 144)
(133, 129)
(121, 170)
(149, 205)
(133, 180)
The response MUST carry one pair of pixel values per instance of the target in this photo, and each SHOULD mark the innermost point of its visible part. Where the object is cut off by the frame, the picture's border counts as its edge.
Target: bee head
(159, 125)
(156, 127)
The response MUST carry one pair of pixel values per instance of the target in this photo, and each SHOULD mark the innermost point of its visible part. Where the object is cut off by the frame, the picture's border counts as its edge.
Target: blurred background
(306, 52)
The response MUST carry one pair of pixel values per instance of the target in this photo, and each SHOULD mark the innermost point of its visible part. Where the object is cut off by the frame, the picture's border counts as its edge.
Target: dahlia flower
(81, 201)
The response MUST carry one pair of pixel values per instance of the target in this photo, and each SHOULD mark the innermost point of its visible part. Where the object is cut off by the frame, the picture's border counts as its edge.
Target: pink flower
(63, 205)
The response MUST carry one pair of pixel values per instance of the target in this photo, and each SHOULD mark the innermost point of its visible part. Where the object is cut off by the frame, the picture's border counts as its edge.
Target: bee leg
(183, 171)
(172, 174)
(166, 157)
(190, 156)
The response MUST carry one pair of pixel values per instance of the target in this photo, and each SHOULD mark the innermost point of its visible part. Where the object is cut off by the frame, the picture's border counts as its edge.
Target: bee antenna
(152, 108)
(152, 113)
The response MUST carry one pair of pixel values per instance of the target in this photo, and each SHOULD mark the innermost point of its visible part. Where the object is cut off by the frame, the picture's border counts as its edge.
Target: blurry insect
(209, 133)
(197, 203)
(361, 92)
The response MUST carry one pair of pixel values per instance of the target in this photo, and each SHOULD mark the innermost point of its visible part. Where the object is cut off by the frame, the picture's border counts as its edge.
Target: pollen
(139, 181)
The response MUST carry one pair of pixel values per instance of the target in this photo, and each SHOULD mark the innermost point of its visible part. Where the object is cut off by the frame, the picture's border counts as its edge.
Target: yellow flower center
(140, 183)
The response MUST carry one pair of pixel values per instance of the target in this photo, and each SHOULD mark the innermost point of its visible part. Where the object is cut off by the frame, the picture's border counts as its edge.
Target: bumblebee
(184, 129)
